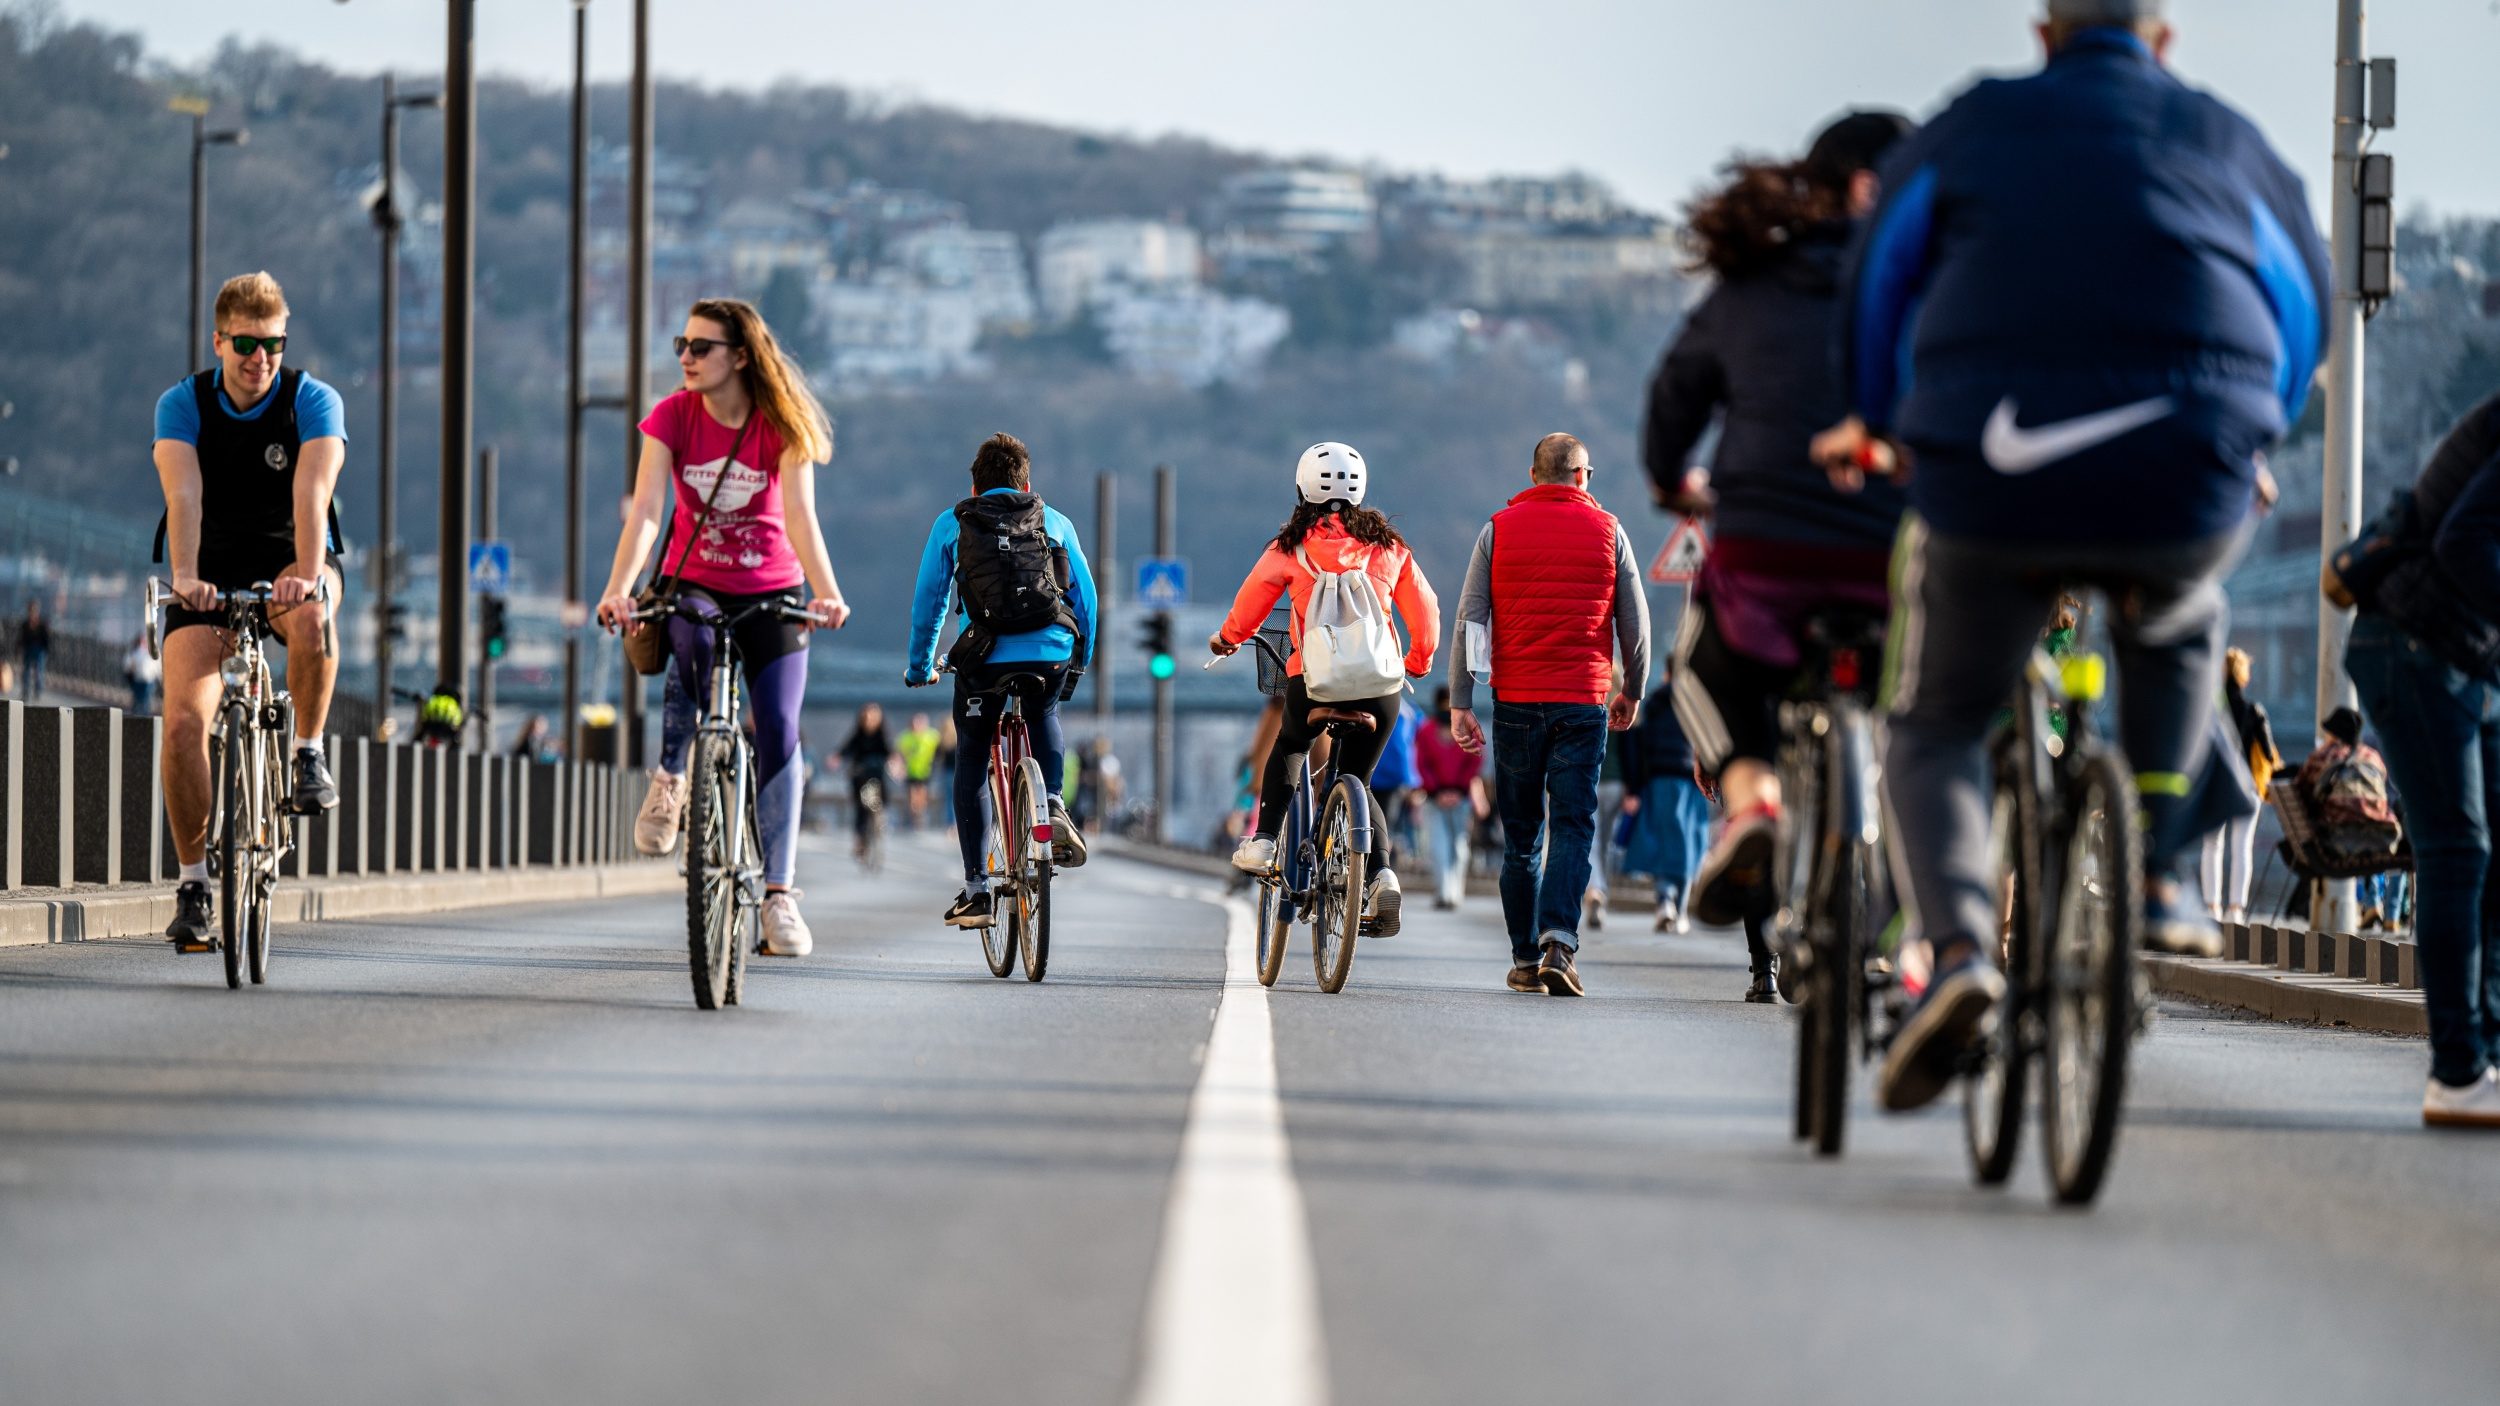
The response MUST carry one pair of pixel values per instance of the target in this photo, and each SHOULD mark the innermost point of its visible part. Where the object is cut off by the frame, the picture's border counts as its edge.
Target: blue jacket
(1395, 770)
(2089, 301)
(933, 599)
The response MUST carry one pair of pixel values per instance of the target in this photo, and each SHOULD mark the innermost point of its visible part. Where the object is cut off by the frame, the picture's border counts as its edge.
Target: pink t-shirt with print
(746, 546)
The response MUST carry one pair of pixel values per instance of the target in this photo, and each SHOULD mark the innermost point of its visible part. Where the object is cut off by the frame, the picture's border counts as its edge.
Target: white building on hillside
(1304, 204)
(1191, 336)
(1076, 262)
(987, 264)
(888, 331)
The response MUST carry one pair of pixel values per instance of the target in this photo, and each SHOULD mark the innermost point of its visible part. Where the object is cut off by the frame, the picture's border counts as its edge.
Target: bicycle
(1831, 869)
(1322, 849)
(724, 853)
(250, 828)
(2065, 824)
(1018, 848)
(868, 824)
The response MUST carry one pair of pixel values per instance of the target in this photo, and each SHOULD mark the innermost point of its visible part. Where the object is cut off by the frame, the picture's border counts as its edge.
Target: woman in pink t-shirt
(737, 446)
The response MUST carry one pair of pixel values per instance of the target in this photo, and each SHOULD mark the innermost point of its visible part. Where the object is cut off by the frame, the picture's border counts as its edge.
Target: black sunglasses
(700, 346)
(245, 344)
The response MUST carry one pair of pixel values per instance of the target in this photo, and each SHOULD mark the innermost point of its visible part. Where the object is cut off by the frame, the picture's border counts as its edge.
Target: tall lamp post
(387, 218)
(459, 345)
(201, 140)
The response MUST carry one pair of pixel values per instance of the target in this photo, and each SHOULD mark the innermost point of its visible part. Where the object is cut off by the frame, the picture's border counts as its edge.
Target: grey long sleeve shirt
(1471, 630)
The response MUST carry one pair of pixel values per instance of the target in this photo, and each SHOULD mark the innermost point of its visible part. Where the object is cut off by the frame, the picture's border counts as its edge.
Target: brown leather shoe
(1526, 979)
(1561, 978)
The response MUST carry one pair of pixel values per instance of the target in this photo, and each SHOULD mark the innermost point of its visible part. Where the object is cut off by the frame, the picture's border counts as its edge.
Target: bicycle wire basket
(1272, 677)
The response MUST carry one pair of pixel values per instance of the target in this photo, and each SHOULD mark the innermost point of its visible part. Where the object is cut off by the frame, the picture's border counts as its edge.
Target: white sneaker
(2477, 1105)
(1670, 915)
(663, 810)
(1256, 854)
(785, 932)
(1593, 910)
(1382, 898)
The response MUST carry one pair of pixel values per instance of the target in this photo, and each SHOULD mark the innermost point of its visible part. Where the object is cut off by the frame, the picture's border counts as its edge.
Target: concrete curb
(144, 912)
(2280, 995)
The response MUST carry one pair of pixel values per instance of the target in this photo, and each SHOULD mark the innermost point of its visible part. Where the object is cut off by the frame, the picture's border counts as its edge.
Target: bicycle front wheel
(1337, 887)
(711, 885)
(1273, 925)
(1992, 1097)
(1032, 901)
(238, 769)
(2091, 968)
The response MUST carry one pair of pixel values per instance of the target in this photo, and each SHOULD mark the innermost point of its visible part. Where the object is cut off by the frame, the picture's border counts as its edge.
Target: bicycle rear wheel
(711, 887)
(1337, 887)
(1273, 927)
(1033, 870)
(998, 940)
(1992, 1097)
(2090, 964)
(238, 769)
(1835, 995)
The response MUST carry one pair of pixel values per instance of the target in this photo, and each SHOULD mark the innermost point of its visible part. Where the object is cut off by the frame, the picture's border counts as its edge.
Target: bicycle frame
(1007, 753)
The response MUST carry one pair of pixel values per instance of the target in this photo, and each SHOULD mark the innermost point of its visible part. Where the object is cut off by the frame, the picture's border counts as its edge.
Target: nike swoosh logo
(2011, 449)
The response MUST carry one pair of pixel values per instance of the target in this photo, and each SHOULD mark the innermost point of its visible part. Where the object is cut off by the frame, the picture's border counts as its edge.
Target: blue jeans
(1449, 826)
(1672, 833)
(1546, 752)
(2441, 734)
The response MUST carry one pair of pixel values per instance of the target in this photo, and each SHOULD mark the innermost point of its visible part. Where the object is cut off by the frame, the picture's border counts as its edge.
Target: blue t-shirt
(319, 414)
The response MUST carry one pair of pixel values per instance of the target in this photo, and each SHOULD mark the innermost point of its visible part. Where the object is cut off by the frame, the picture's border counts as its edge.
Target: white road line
(1234, 1312)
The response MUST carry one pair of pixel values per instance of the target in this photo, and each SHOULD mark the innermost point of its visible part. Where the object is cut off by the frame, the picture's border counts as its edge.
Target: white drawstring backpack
(1349, 650)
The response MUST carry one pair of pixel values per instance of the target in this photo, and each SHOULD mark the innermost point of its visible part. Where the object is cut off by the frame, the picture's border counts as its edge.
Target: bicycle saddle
(1015, 683)
(1322, 717)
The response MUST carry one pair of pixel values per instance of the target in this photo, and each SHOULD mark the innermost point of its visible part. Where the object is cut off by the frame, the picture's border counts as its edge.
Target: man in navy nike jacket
(2086, 306)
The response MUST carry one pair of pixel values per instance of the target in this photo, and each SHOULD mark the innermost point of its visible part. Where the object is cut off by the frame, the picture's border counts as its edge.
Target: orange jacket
(1330, 547)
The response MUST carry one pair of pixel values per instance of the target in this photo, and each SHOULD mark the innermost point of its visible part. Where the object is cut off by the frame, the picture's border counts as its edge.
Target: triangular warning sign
(1680, 560)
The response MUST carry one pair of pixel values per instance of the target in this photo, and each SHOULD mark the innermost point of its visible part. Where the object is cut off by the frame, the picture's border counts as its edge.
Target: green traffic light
(1160, 666)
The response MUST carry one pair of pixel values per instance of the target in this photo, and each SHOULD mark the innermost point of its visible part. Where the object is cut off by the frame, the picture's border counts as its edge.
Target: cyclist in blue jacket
(2087, 304)
(988, 559)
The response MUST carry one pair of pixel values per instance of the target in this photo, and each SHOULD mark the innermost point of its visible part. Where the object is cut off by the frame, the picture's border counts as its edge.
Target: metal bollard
(48, 852)
(96, 799)
(145, 855)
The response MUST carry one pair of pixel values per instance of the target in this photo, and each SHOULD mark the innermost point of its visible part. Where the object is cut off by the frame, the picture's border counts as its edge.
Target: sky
(1648, 94)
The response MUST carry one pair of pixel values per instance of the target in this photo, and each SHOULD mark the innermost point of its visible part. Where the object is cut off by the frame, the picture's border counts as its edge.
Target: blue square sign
(1163, 582)
(490, 568)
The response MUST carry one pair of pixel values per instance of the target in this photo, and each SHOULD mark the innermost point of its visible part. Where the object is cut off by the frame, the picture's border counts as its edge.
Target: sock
(977, 885)
(195, 873)
(313, 745)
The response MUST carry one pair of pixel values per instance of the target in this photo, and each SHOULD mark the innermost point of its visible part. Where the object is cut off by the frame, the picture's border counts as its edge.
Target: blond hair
(773, 381)
(250, 297)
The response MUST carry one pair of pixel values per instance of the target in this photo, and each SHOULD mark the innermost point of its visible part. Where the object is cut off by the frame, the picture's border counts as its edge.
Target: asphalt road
(498, 1157)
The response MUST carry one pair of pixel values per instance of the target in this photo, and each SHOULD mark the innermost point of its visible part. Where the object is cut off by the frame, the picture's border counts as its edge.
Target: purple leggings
(773, 656)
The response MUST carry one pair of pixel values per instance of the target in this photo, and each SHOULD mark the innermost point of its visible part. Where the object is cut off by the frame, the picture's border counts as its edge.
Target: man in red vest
(1552, 594)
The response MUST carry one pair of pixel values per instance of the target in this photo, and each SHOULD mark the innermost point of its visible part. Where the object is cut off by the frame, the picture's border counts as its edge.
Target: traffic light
(491, 625)
(1156, 639)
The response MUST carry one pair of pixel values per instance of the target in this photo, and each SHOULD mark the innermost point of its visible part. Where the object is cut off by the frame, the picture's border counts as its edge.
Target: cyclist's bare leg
(312, 670)
(1746, 784)
(191, 657)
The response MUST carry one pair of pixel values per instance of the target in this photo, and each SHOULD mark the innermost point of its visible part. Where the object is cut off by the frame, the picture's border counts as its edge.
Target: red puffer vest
(1553, 597)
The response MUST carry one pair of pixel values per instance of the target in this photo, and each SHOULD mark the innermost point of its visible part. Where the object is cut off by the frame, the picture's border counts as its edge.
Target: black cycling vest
(247, 473)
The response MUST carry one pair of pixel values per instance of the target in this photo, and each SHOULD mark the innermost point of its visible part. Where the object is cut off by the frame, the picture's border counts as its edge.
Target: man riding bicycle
(248, 453)
(1011, 567)
(2087, 304)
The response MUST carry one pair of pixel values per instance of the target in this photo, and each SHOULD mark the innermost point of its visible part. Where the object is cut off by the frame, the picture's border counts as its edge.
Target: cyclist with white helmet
(1331, 531)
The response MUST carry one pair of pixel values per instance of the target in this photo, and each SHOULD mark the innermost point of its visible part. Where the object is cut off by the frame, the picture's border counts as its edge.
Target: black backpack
(1011, 576)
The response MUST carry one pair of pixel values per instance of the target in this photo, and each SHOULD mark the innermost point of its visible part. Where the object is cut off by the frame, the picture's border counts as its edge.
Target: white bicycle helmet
(1331, 470)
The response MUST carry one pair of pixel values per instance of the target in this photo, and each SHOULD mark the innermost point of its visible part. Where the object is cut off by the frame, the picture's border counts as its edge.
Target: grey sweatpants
(1966, 614)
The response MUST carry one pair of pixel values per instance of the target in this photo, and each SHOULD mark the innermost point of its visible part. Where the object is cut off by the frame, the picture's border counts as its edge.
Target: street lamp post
(459, 340)
(387, 217)
(201, 140)
(637, 332)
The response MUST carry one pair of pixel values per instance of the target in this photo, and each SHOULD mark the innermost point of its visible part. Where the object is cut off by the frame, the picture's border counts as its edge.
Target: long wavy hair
(1747, 224)
(773, 381)
(1366, 525)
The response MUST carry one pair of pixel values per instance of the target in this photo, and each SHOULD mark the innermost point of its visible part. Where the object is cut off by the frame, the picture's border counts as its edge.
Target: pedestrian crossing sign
(1680, 560)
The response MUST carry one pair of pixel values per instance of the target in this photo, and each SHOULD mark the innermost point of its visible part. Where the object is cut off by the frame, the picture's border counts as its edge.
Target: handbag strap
(727, 466)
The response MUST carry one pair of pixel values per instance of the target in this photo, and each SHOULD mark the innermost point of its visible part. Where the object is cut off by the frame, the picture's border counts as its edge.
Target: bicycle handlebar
(676, 605)
(1266, 647)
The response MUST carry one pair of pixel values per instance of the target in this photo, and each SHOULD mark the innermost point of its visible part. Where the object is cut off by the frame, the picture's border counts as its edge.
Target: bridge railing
(82, 805)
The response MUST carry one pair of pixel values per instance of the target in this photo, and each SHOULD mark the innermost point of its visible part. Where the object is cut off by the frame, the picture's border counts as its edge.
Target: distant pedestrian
(2424, 656)
(1393, 781)
(34, 647)
(144, 673)
(918, 748)
(1553, 594)
(1452, 781)
(536, 741)
(2230, 852)
(1671, 815)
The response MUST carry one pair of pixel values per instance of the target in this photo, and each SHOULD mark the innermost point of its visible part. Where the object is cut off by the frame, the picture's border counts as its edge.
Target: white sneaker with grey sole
(663, 810)
(785, 932)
